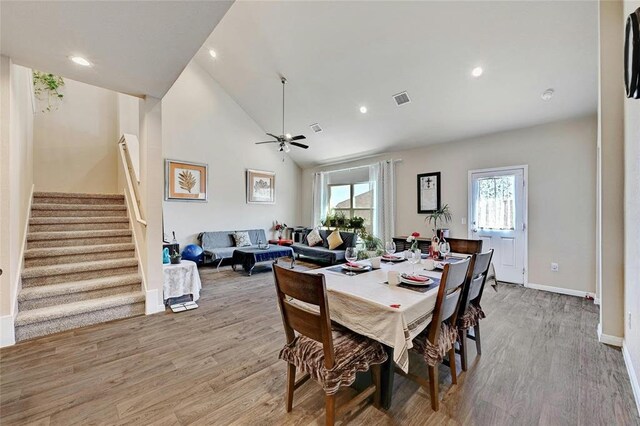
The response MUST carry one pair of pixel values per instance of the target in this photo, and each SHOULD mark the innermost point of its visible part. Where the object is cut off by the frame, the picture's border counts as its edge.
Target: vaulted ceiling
(136, 47)
(339, 56)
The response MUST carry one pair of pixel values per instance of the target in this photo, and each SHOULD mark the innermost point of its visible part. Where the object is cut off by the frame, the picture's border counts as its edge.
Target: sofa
(322, 252)
(220, 245)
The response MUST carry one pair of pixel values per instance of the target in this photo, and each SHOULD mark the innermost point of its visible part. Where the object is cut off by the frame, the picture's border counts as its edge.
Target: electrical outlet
(554, 267)
(464, 220)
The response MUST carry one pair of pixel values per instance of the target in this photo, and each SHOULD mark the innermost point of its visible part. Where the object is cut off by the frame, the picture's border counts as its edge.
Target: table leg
(293, 261)
(386, 379)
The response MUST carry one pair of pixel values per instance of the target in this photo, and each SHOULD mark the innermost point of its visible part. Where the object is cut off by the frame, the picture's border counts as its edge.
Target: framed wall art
(184, 181)
(428, 192)
(261, 187)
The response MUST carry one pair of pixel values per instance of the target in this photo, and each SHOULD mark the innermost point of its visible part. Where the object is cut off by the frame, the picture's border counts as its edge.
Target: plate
(392, 259)
(354, 269)
(404, 280)
(440, 265)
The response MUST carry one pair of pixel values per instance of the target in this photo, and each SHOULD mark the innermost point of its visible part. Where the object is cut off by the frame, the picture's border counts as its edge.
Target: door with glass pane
(497, 217)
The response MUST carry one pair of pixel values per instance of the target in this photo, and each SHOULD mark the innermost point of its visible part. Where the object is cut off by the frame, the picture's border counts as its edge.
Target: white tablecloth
(181, 279)
(363, 302)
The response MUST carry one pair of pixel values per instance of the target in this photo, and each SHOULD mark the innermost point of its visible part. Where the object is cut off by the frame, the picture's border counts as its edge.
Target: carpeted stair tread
(70, 268)
(77, 220)
(49, 313)
(71, 250)
(71, 287)
(70, 235)
(76, 195)
(51, 206)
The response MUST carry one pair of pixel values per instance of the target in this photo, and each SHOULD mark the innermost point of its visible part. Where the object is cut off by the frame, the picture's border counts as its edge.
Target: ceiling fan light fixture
(287, 148)
(288, 136)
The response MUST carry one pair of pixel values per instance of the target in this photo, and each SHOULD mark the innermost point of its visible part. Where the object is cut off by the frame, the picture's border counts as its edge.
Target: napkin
(354, 265)
(390, 256)
(417, 278)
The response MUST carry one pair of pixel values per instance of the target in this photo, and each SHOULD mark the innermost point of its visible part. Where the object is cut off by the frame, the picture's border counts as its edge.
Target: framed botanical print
(184, 181)
(261, 187)
(428, 192)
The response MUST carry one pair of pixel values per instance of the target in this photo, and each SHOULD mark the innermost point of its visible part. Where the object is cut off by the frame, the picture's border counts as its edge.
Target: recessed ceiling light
(212, 53)
(547, 94)
(80, 61)
(477, 72)
(363, 109)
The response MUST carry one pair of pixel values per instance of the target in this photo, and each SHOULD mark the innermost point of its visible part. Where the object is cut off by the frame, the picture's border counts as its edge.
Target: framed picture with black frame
(428, 192)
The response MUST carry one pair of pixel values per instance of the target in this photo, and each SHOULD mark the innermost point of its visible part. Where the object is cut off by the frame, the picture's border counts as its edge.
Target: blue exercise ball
(193, 252)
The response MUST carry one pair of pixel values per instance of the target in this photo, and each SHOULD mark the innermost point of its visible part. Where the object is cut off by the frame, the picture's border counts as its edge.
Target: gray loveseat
(321, 251)
(220, 245)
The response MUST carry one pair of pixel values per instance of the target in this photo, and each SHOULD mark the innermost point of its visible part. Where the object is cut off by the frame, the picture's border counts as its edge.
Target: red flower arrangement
(413, 239)
(279, 227)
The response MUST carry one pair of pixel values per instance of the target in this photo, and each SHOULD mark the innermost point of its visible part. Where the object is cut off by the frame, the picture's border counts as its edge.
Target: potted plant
(47, 88)
(442, 215)
(340, 219)
(372, 245)
(356, 223)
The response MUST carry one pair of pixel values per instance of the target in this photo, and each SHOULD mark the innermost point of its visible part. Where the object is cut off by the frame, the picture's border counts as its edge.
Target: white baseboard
(151, 303)
(608, 339)
(560, 290)
(7, 331)
(596, 300)
(633, 377)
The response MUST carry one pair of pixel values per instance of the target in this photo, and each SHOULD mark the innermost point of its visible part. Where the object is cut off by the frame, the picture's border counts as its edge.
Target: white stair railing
(132, 188)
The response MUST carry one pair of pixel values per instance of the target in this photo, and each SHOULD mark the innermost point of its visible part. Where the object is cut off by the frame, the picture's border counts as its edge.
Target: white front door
(497, 214)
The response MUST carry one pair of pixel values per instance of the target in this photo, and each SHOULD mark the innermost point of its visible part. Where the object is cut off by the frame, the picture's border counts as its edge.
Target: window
(496, 203)
(354, 199)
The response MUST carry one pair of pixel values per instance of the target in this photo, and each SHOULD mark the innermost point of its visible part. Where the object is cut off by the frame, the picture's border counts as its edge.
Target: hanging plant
(47, 88)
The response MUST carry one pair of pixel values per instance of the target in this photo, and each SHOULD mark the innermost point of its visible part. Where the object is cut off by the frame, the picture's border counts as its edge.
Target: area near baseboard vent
(560, 290)
(633, 377)
(607, 339)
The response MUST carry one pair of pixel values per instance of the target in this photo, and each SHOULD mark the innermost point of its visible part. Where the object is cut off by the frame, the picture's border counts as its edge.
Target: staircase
(79, 264)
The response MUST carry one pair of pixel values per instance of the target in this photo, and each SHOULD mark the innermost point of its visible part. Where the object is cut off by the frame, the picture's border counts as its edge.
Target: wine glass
(414, 257)
(351, 254)
(445, 249)
(390, 247)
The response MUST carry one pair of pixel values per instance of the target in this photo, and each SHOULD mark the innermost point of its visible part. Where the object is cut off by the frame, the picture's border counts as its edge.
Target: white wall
(561, 159)
(75, 146)
(16, 176)
(202, 123)
(632, 230)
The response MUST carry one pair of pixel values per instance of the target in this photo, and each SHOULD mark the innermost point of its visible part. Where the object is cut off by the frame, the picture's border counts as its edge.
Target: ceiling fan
(285, 139)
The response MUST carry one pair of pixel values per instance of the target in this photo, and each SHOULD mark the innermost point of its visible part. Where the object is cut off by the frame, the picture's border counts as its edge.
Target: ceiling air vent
(401, 98)
(316, 127)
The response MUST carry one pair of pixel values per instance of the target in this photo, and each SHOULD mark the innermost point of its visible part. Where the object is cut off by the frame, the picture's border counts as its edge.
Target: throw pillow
(242, 239)
(335, 240)
(313, 238)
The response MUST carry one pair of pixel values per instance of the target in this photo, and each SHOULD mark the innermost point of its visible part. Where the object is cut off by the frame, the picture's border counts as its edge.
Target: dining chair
(439, 338)
(459, 245)
(470, 311)
(330, 354)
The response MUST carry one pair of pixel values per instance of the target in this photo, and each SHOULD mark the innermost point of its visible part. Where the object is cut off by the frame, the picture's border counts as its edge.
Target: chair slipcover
(353, 353)
(434, 354)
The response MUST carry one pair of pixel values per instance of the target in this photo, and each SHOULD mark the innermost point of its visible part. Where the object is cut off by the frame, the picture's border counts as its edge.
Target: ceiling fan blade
(298, 138)
(300, 145)
(258, 143)
(273, 136)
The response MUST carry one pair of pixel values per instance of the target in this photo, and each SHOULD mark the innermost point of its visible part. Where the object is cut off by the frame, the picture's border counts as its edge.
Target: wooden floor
(217, 365)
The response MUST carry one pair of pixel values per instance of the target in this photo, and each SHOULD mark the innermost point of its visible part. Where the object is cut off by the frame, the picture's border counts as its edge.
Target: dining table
(393, 315)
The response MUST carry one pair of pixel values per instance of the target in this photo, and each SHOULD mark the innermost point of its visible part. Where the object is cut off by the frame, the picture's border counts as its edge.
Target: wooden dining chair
(470, 311)
(459, 245)
(439, 338)
(331, 355)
